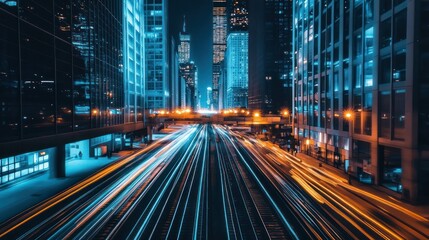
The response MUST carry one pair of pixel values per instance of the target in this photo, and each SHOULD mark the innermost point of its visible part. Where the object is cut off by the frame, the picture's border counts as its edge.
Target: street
(207, 182)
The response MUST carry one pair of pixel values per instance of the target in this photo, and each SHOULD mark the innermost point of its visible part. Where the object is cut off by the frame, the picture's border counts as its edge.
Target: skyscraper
(156, 44)
(209, 97)
(189, 72)
(219, 45)
(238, 16)
(270, 53)
(185, 45)
(134, 64)
(62, 82)
(237, 69)
(360, 78)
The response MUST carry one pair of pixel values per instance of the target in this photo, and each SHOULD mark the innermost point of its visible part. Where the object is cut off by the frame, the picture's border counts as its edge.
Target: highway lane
(334, 202)
(206, 182)
(89, 207)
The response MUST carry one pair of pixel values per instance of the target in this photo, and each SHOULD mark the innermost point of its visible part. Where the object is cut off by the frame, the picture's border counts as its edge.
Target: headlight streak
(137, 176)
(306, 211)
(200, 188)
(194, 162)
(44, 206)
(333, 180)
(231, 200)
(174, 177)
(274, 204)
(225, 196)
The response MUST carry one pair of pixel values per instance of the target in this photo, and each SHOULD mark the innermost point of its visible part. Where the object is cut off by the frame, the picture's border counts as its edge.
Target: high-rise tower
(219, 45)
(185, 44)
(156, 43)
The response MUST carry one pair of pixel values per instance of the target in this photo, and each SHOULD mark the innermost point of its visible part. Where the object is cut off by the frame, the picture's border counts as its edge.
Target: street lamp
(307, 143)
(348, 115)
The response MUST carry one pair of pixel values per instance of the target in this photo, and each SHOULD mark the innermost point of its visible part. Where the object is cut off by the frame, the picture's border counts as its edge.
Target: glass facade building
(189, 72)
(62, 79)
(185, 45)
(219, 45)
(156, 45)
(270, 55)
(363, 58)
(134, 64)
(237, 69)
(60, 66)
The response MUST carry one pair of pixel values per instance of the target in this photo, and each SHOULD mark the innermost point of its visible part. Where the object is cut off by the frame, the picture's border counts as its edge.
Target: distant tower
(219, 45)
(185, 44)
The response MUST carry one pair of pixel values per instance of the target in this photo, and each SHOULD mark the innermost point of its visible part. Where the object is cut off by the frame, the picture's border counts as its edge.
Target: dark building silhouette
(270, 64)
(61, 81)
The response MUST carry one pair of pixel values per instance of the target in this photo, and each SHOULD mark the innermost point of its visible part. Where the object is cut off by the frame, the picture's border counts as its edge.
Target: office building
(360, 84)
(237, 69)
(157, 45)
(185, 45)
(62, 83)
(134, 68)
(270, 55)
(238, 16)
(209, 97)
(189, 72)
(219, 45)
(174, 75)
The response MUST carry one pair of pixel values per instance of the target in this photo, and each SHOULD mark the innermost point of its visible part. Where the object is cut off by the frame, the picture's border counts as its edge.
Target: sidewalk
(380, 191)
(19, 196)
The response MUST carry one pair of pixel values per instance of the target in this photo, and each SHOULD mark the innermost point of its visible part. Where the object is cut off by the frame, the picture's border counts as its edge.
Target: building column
(375, 171)
(409, 175)
(149, 133)
(57, 165)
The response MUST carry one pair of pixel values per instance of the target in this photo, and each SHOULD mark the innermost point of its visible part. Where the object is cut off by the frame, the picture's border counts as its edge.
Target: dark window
(9, 74)
(399, 114)
(400, 26)
(385, 33)
(399, 64)
(385, 72)
(391, 166)
(385, 5)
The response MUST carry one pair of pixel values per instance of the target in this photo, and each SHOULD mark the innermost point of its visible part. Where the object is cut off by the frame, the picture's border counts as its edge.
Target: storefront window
(391, 168)
(12, 168)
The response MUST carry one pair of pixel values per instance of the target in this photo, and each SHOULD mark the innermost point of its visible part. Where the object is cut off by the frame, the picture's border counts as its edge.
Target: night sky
(199, 25)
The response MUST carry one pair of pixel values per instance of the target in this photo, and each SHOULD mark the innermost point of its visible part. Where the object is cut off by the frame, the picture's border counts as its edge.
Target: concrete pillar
(57, 164)
(409, 175)
(149, 133)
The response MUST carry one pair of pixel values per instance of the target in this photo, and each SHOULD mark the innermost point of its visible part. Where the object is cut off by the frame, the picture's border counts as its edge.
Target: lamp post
(348, 114)
(307, 144)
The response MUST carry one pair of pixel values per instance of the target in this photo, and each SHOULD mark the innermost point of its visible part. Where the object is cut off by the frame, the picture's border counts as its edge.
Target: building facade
(270, 55)
(189, 72)
(156, 44)
(209, 97)
(134, 62)
(238, 15)
(62, 83)
(219, 45)
(237, 69)
(359, 82)
(185, 45)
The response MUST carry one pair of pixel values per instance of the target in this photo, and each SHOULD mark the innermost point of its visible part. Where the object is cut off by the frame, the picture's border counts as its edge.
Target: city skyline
(214, 119)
